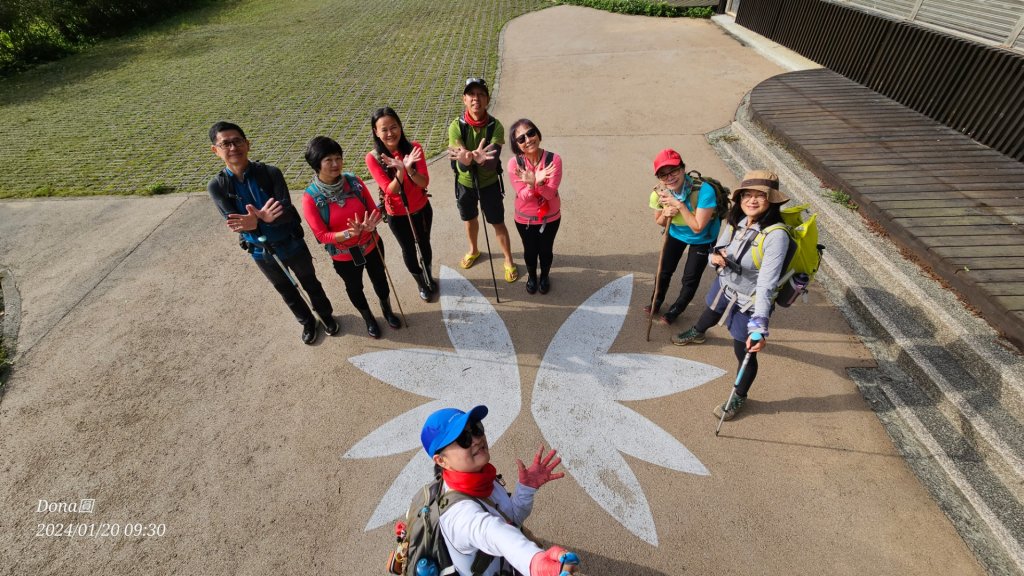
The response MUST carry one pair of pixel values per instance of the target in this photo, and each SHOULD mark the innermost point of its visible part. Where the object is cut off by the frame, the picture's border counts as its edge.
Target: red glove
(546, 563)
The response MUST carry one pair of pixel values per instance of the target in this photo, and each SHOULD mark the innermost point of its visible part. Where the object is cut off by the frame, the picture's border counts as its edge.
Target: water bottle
(426, 567)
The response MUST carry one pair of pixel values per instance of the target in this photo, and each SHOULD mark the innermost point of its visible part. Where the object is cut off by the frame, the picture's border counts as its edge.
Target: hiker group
(763, 255)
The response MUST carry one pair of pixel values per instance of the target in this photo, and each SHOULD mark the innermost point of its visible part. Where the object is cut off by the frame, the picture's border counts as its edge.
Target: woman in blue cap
(491, 521)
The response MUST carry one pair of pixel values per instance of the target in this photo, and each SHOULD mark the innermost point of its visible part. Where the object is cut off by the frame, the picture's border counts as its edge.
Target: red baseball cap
(667, 157)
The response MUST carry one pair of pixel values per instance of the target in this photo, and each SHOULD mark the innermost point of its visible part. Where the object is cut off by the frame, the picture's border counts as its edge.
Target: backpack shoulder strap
(520, 161)
(322, 204)
(482, 560)
(758, 252)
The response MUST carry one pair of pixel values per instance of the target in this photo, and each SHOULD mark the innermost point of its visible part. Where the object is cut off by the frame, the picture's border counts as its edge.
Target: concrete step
(950, 385)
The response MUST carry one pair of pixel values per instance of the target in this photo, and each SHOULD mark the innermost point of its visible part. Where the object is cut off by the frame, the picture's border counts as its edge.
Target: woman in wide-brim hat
(741, 298)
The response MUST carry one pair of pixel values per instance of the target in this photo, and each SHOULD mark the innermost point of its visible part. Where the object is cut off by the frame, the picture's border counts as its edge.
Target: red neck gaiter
(478, 484)
(474, 123)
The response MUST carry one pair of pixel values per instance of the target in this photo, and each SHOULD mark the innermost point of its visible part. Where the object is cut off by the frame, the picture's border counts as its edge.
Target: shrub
(644, 8)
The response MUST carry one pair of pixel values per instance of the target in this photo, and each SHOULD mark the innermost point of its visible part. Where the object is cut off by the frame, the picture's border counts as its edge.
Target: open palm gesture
(540, 471)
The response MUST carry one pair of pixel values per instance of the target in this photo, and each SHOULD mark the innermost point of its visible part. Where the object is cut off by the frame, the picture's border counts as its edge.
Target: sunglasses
(521, 139)
(472, 429)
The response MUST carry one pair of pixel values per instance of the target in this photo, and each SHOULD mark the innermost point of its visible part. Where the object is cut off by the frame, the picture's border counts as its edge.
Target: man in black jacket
(254, 199)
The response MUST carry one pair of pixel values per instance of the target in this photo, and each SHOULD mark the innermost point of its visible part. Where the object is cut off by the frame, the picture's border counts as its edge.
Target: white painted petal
(398, 435)
(642, 439)
(428, 373)
(395, 503)
(472, 323)
(646, 376)
(584, 434)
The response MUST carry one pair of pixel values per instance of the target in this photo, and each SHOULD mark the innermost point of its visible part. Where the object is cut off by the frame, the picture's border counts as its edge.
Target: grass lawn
(131, 116)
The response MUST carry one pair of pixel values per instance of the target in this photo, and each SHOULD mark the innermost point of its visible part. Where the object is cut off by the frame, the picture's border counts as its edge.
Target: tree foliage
(36, 31)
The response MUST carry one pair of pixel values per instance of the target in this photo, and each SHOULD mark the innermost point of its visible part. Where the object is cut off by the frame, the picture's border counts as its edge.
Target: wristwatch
(346, 235)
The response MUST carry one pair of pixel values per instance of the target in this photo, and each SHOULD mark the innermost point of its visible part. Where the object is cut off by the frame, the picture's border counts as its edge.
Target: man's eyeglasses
(666, 174)
(521, 139)
(465, 440)
(228, 144)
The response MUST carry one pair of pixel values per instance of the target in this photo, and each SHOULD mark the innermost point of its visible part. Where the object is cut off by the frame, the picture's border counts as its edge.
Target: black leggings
(301, 265)
(708, 319)
(537, 244)
(353, 277)
(399, 225)
(696, 262)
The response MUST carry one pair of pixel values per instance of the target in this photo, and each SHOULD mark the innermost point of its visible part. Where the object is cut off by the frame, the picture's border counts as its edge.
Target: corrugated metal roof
(992, 20)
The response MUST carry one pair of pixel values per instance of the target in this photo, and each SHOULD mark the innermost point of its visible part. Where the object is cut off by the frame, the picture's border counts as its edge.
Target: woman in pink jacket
(535, 175)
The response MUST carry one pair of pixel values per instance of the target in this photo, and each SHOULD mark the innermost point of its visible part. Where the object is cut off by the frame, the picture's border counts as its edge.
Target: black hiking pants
(352, 275)
(399, 225)
(538, 245)
(301, 265)
(696, 262)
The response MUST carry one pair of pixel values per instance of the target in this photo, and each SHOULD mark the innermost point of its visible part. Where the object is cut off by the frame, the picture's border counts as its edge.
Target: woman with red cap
(491, 521)
(750, 260)
(690, 216)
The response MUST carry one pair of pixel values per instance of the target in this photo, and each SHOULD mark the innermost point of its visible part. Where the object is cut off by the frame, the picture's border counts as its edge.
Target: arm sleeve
(377, 172)
(776, 245)
(468, 527)
(523, 191)
(219, 197)
(289, 216)
(549, 189)
(706, 198)
(522, 503)
(454, 136)
(421, 166)
(320, 230)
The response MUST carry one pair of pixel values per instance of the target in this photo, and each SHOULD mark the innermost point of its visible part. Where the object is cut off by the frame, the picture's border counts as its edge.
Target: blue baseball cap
(445, 425)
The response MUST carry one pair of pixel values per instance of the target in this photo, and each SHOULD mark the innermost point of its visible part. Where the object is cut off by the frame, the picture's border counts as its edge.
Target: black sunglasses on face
(521, 139)
(465, 440)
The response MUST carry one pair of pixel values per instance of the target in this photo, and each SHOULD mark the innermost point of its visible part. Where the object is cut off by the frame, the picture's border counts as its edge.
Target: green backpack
(420, 538)
(803, 257)
(722, 194)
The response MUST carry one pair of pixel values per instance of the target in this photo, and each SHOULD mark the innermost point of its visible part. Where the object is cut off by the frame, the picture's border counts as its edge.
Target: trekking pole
(266, 246)
(570, 559)
(380, 253)
(424, 271)
(490, 259)
(754, 338)
(657, 278)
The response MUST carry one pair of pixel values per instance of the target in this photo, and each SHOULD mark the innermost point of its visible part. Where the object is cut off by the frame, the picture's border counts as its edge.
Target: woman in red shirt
(340, 211)
(400, 170)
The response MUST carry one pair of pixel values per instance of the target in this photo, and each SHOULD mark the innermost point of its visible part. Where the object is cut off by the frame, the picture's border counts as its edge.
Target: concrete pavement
(161, 376)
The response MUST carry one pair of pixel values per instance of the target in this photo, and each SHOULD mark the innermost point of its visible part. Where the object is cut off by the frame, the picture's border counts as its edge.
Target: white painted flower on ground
(576, 405)
(575, 398)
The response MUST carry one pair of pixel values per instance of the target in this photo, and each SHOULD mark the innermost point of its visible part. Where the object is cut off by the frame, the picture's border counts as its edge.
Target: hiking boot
(331, 326)
(732, 407)
(425, 291)
(544, 285)
(669, 317)
(389, 316)
(372, 328)
(648, 310)
(531, 285)
(309, 333)
(691, 336)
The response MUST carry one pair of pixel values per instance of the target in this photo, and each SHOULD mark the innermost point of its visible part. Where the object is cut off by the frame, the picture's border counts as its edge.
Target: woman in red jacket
(400, 171)
(340, 211)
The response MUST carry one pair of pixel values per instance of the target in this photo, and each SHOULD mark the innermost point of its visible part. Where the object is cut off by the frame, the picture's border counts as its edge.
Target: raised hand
(460, 155)
(540, 471)
(413, 157)
(365, 223)
(244, 222)
(484, 153)
(393, 163)
(527, 176)
(271, 211)
(545, 174)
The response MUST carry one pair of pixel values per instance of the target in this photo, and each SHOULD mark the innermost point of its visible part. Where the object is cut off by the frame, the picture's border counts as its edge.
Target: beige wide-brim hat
(763, 181)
